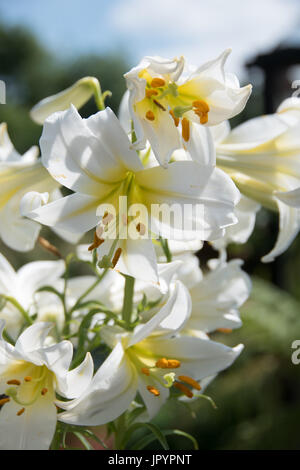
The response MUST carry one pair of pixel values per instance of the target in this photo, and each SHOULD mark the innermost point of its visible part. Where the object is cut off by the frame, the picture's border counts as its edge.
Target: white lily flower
(19, 175)
(31, 374)
(77, 94)
(262, 157)
(23, 181)
(217, 297)
(245, 211)
(178, 248)
(164, 93)
(150, 361)
(22, 285)
(93, 158)
(49, 307)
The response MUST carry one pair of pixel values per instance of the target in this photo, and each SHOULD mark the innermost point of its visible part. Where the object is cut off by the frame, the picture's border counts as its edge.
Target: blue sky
(198, 29)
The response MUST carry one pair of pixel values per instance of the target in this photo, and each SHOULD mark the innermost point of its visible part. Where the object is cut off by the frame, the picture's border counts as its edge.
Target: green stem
(8, 338)
(20, 308)
(66, 329)
(165, 246)
(128, 299)
(55, 444)
(88, 291)
(99, 96)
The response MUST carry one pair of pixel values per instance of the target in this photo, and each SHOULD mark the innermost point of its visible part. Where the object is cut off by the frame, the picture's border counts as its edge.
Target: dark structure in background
(280, 68)
(277, 75)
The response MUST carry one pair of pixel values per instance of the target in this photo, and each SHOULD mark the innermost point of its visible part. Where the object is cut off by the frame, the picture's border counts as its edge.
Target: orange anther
(4, 400)
(204, 119)
(189, 381)
(13, 382)
(28, 378)
(176, 119)
(141, 228)
(107, 218)
(173, 364)
(162, 363)
(157, 82)
(201, 105)
(145, 371)
(150, 93)
(185, 390)
(21, 411)
(150, 115)
(153, 390)
(224, 330)
(185, 129)
(116, 257)
(97, 242)
(44, 391)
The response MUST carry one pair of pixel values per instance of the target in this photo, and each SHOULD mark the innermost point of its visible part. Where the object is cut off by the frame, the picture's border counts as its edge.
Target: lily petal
(289, 226)
(76, 212)
(112, 390)
(33, 338)
(33, 430)
(79, 379)
(171, 317)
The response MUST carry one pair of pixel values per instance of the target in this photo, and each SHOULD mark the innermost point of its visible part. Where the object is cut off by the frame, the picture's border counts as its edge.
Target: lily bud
(77, 94)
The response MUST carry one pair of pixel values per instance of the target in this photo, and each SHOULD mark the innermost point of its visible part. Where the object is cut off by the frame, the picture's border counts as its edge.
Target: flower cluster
(149, 186)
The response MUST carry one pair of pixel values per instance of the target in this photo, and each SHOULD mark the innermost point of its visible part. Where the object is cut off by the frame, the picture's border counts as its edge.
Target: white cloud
(202, 29)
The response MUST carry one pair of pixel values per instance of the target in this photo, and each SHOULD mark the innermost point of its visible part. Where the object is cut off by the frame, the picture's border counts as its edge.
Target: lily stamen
(116, 257)
(97, 242)
(201, 109)
(150, 115)
(159, 105)
(21, 411)
(224, 330)
(141, 228)
(4, 400)
(13, 382)
(185, 390)
(107, 218)
(153, 390)
(201, 105)
(164, 363)
(28, 378)
(185, 123)
(176, 119)
(188, 380)
(157, 82)
(150, 93)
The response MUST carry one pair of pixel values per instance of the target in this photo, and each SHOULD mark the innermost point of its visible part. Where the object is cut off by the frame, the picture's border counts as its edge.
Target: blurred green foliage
(258, 398)
(32, 73)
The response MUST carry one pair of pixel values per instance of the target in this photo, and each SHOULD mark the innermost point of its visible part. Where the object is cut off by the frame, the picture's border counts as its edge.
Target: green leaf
(83, 440)
(150, 426)
(82, 337)
(3, 302)
(146, 440)
(50, 289)
(134, 414)
(91, 435)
